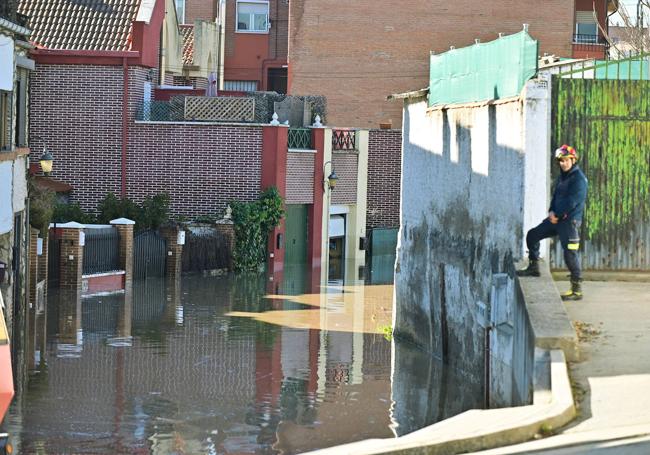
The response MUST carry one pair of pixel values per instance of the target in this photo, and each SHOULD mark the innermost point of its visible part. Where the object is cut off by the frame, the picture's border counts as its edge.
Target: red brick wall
(200, 9)
(77, 111)
(300, 178)
(345, 165)
(203, 167)
(384, 174)
(356, 53)
(279, 35)
(246, 54)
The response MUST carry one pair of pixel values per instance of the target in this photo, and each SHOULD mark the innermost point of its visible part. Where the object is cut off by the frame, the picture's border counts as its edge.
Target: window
(253, 17)
(180, 11)
(586, 27)
(240, 86)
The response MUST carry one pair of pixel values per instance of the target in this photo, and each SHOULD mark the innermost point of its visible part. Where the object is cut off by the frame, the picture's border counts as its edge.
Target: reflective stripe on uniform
(573, 246)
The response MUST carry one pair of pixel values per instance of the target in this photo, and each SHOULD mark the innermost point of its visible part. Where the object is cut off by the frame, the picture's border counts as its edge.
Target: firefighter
(564, 220)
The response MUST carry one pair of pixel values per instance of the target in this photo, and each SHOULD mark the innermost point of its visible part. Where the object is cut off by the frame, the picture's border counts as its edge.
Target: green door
(296, 234)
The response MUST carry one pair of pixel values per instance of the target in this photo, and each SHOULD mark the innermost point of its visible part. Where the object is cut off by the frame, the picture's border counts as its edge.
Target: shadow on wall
(461, 223)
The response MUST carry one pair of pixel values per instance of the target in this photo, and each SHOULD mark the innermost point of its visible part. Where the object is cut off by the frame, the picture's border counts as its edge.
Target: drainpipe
(125, 122)
(486, 370)
(222, 42)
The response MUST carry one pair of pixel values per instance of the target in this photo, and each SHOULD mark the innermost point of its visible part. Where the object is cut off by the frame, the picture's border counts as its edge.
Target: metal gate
(53, 259)
(608, 122)
(149, 254)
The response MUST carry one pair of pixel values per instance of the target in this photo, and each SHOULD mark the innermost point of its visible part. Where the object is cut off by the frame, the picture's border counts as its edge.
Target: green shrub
(41, 207)
(64, 213)
(252, 222)
(151, 214)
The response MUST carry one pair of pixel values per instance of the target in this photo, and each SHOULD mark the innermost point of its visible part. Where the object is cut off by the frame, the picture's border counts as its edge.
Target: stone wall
(474, 178)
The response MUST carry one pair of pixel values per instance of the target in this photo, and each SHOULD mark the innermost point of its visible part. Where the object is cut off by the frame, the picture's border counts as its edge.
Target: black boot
(576, 291)
(531, 270)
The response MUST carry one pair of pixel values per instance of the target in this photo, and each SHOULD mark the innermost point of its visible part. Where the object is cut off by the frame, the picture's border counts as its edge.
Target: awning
(51, 184)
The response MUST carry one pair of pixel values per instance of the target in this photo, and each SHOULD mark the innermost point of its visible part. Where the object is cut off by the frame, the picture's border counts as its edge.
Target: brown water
(222, 365)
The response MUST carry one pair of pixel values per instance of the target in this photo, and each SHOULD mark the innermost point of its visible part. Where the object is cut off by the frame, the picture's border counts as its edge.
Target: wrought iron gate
(608, 122)
(149, 254)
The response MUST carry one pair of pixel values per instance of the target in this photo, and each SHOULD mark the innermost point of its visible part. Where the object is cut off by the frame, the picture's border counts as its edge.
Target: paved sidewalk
(612, 380)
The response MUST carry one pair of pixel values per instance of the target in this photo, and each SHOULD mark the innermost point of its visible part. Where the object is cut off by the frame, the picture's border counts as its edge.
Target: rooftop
(102, 25)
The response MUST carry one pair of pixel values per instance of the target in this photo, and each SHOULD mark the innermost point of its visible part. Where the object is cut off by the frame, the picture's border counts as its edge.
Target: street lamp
(332, 179)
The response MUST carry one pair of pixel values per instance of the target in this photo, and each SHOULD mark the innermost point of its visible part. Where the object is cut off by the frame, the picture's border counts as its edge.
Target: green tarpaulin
(484, 71)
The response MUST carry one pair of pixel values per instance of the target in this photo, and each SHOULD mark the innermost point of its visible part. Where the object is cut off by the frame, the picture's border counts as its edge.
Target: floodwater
(225, 365)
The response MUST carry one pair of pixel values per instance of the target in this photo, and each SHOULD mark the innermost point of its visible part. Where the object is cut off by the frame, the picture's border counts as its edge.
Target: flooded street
(223, 365)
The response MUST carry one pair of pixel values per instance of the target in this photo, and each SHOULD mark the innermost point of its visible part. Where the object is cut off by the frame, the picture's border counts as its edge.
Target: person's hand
(552, 218)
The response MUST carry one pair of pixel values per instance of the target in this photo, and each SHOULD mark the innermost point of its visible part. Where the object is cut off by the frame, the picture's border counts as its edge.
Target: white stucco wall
(474, 179)
(6, 196)
(20, 184)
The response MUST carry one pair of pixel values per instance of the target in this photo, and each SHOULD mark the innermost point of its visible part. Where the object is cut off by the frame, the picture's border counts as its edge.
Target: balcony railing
(344, 140)
(300, 138)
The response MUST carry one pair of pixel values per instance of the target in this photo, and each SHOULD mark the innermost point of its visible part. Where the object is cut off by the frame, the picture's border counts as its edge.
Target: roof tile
(81, 24)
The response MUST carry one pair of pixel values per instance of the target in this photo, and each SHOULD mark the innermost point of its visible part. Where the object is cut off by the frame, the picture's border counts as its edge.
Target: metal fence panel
(101, 250)
(300, 138)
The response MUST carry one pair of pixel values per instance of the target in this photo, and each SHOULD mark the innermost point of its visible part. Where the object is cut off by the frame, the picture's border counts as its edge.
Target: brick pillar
(124, 227)
(274, 173)
(72, 255)
(174, 266)
(33, 265)
(226, 228)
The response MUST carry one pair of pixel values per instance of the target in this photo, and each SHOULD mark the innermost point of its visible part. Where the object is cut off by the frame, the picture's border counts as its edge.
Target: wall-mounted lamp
(332, 179)
(46, 161)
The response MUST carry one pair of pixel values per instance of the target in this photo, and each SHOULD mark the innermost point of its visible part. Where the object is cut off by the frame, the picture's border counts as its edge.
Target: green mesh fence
(484, 71)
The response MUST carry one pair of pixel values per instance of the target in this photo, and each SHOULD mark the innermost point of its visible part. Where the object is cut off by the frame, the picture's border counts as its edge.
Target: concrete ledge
(604, 275)
(481, 429)
(547, 314)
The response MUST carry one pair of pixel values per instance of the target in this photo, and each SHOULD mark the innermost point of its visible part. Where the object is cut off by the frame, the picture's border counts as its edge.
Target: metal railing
(344, 140)
(160, 111)
(101, 250)
(589, 39)
(300, 138)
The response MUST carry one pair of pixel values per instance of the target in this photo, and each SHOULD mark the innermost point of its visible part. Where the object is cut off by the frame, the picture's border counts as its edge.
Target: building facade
(14, 158)
(255, 40)
(358, 53)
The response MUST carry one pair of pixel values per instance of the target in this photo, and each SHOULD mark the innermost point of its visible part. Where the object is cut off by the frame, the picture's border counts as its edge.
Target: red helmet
(566, 151)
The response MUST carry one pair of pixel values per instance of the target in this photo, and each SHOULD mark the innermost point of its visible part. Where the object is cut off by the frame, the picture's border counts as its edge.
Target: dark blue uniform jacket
(570, 193)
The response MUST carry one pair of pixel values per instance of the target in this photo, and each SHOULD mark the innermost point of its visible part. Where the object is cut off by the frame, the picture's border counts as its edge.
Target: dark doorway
(277, 80)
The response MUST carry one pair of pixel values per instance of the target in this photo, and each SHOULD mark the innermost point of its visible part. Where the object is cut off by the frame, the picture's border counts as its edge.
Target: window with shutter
(586, 27)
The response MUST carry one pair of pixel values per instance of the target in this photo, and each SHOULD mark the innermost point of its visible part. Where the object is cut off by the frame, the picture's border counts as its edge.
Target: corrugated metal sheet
(608, 122)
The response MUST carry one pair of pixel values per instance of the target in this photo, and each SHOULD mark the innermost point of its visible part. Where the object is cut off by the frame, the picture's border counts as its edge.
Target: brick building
(255, 40)
(358, 53)
(15, 69)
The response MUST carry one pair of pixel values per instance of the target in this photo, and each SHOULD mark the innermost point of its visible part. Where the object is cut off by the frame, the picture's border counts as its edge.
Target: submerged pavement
(611, 382)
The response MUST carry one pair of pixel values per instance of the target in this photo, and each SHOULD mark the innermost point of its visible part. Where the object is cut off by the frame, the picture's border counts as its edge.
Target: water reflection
(220, 365)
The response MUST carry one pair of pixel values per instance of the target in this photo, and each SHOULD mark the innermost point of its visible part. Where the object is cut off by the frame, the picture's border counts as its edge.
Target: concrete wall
(472, 183)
